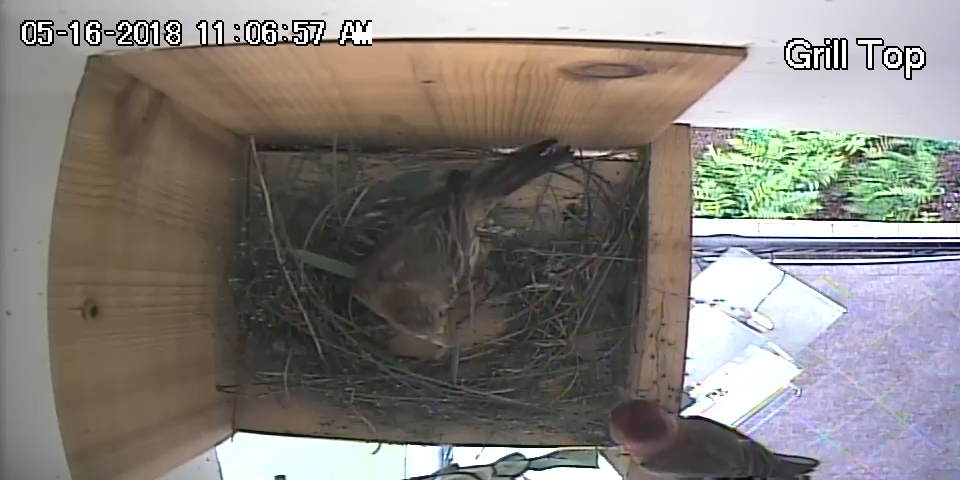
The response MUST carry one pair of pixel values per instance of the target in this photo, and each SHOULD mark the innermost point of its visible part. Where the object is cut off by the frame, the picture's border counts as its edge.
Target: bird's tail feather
(802, 465)
(517, 169)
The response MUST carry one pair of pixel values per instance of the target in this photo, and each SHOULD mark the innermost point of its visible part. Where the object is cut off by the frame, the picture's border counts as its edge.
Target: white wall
(204, 467)
(250, 456)
(33, 117)
(764, 91)
(38, 84)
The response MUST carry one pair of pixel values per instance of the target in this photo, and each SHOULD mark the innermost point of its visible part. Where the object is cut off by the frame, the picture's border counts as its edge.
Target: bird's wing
(698, 453)
(738, 454)
(704, 421)
(742, 456)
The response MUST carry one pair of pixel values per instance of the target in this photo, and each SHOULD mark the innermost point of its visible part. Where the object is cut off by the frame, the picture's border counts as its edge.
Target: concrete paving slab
(894, 352)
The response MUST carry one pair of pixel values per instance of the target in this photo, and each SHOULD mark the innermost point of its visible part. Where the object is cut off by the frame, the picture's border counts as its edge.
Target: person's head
(640, 421)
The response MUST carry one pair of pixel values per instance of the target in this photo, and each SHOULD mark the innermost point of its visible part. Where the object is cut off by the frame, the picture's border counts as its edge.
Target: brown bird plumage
(413, 278)
(697, 447)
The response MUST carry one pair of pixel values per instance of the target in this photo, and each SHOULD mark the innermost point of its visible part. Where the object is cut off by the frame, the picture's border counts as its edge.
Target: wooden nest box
(146, 213)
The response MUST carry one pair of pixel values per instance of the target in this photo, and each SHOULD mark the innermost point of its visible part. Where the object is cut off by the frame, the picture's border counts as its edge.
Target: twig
(286, 374)
(276, 246)
(458, 341)
(498, 383)
(353, 207)
(359, 415)
(336, 170)
(365, 420)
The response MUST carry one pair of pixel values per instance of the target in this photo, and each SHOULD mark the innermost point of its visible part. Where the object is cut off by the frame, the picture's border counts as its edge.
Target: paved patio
(880, 397)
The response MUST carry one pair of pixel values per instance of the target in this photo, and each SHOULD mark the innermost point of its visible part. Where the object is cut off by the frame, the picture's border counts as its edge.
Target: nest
(545, 338)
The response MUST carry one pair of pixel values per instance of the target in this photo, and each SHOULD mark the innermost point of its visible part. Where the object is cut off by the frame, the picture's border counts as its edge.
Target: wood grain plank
(143, 225)
(438, 93)
(147, 200)
(299, 415)
(666, 301)
(662, 341)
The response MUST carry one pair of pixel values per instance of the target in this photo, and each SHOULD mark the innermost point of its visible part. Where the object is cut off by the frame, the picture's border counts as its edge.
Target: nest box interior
(149, 197)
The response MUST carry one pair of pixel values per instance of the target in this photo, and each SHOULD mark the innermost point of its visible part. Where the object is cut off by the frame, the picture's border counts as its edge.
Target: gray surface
(800, 314)
(736, 277)
(880, 397)
(713, 340)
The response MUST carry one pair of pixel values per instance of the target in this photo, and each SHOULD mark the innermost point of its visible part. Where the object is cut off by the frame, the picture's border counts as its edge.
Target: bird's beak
(441, 340)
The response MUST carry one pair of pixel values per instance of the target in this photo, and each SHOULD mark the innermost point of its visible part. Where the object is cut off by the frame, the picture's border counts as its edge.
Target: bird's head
(440, 329)
(426, 324)
(415, 311)
(422, 321)
(640, 422)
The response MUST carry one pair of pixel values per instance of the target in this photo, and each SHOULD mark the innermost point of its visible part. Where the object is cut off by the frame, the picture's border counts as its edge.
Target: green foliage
(781, 174)
(896, 183)
(938, 147)
(776, 174)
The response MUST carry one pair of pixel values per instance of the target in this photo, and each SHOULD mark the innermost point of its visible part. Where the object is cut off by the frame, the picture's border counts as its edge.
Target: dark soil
(832, 201)
(703, 136)
(948, 205)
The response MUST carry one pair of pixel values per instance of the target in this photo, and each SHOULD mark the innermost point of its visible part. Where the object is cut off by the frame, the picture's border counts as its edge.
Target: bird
(696, 447)
(425, 262)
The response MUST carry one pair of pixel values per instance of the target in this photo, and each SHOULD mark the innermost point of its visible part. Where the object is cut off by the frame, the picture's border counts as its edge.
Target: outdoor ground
(879, 391)
(948, 205)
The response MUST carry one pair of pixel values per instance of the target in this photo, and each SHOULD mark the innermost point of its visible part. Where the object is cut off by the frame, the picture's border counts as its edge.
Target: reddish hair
(638, 421)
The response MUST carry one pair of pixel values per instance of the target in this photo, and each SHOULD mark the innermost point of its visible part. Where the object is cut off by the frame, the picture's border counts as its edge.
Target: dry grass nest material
(555, 303)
